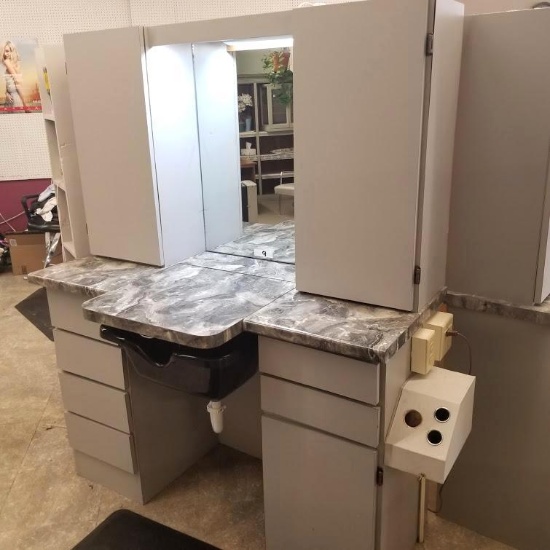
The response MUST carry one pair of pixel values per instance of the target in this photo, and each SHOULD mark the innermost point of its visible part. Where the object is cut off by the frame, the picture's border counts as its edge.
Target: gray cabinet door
(358, 161)
(319, 490)
(107, 83)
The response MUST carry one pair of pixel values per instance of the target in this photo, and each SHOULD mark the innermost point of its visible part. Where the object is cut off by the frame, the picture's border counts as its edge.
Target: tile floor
(45, 506)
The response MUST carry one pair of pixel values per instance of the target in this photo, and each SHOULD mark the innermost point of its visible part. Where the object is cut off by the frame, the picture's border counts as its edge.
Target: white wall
(24, 152)
(491, 6)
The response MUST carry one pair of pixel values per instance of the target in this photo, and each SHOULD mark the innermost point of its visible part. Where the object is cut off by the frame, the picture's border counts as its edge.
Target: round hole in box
(434, 437)
(413, 418)
(442, 414)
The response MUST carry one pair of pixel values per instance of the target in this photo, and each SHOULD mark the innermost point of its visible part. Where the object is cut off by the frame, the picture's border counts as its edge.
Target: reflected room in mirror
(261, 143)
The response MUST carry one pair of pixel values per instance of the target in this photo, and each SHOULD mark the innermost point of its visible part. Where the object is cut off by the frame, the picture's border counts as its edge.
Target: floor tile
(46, 489)
(219, 500)
(49, 536)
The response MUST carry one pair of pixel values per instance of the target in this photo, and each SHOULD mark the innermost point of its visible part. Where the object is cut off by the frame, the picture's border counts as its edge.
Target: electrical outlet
(423, 350)
(441, 323)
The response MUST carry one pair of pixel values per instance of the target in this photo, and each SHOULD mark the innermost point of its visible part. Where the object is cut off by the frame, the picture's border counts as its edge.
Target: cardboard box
(28, 252)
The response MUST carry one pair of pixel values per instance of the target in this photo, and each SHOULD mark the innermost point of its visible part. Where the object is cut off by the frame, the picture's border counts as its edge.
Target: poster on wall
(18, 77)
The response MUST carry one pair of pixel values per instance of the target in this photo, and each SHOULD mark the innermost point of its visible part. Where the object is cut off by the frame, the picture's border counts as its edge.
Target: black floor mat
(125, 530)
(35, 309)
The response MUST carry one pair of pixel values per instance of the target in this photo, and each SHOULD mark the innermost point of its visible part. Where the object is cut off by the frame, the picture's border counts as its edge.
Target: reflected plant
(276, 65)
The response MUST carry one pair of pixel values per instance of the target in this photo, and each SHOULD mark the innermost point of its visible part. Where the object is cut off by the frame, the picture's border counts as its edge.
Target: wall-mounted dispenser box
(431, 423)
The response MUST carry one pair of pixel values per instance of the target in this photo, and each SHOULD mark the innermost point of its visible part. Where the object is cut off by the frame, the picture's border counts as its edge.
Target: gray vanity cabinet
(499, 242)
(320, 435)
(132, 436)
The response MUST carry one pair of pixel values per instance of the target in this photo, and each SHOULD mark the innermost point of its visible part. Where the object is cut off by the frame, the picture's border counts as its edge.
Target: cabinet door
(319, 490)
(358, 161)
(110, 114)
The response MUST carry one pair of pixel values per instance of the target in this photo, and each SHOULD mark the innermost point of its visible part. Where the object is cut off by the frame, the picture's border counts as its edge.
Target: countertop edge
(169, 335)
(501, 308)
(72, 288)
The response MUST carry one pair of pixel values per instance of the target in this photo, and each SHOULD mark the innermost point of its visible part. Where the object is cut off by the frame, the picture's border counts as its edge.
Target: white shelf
(49, 116)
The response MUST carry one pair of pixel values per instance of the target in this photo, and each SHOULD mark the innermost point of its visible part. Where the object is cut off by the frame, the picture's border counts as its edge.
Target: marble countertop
(186, 304)
(369, 333)
(210, 298)
(539, 315)
(90, 276)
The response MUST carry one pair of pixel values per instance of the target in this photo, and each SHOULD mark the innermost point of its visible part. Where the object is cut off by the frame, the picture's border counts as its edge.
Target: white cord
(7, 222)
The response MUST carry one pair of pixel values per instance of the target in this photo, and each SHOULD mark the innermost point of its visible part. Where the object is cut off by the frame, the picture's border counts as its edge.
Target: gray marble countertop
(535, 314)
(186, 304)
(355, 330)
(90, 276)
(210, 298)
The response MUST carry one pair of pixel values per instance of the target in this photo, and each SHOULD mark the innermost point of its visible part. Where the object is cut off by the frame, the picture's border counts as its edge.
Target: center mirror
(244, 93)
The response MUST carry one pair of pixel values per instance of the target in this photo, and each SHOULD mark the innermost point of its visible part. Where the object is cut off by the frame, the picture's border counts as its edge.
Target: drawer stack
(135, 446)
(95, 397)
(320, 432)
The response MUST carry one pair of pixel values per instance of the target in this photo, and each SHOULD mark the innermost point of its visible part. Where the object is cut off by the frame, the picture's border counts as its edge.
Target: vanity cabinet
(499, 243)
(323, 426)
(137, 144)
(130, 435)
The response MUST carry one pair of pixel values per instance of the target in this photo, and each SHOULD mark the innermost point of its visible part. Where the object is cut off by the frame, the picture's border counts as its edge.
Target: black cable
(460, 335)
(439, 500)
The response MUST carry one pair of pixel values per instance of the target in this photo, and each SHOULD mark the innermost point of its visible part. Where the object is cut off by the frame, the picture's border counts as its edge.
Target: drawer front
(101, 403)
(333, 373)
(319, 490)
(101, 442)
(66, 313)
(321, 410)
(89, 358)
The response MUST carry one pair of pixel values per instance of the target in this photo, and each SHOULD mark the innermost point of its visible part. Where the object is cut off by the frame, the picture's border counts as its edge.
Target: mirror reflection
(262, 93)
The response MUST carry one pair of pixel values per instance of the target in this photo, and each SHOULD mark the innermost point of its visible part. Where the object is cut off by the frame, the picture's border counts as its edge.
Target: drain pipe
(215, 409)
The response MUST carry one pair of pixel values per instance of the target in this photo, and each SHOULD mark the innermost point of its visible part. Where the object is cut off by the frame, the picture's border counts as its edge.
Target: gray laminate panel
(356, 215)
(90, 359)
(501, 157)
(95, 401)
(319, 490)
(124, 483)
(321, 410)
(101, 442)
(325, 371)
(66, 313)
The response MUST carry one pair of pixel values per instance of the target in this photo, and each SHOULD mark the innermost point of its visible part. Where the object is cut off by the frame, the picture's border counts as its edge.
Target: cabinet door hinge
(429, 44)
(417, 274)
(380, 476)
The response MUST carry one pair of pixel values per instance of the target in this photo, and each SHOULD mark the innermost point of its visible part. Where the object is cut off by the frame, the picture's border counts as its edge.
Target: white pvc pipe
(215, 409)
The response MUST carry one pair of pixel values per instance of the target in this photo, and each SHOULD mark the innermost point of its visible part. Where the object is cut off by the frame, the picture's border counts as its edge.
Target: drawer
(321, 410)
(89, 358)
(66, 313)
(333, 373)
(92, 400)
(101, 442)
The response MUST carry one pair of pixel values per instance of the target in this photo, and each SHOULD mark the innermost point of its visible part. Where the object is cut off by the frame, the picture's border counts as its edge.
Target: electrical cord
(439, 500)
(460, 335)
